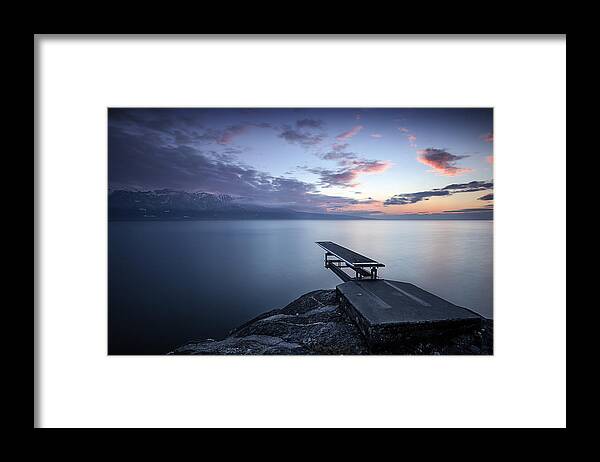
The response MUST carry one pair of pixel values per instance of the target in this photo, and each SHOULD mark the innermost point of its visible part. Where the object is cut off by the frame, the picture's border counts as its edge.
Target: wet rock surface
(314, 324)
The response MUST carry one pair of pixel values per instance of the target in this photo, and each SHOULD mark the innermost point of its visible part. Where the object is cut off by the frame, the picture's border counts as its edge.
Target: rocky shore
(314, 324)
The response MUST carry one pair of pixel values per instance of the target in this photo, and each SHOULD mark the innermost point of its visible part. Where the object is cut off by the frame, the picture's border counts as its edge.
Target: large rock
(315, 324)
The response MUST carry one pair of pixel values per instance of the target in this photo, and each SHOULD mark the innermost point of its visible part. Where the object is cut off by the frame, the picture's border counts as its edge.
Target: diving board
(363, 267)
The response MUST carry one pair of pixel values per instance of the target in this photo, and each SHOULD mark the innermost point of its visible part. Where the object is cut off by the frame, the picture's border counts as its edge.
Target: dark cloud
(143, 161)
(471, 186)
(338, 152)
(343, 206)
(309, 123)
(177, 126)
(338, 155)
(441, 161)
(187, 127)
(412, 198)
(302, 137)
(328, 178)
(227, 135)
(306, 132)
(230, 133)
(169, 124)
(487, 197)
(337, 147)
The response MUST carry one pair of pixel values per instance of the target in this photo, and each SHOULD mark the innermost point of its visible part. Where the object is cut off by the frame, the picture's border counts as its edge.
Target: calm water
(171, 282)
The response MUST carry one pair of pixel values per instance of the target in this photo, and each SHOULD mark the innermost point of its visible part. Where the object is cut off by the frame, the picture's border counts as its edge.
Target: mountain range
(166, 204)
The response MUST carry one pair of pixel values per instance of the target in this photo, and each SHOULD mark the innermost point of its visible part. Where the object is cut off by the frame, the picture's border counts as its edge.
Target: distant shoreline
(167, 205)
(157, 219)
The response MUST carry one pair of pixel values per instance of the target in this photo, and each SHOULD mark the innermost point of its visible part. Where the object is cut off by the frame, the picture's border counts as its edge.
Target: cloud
(350, 133)
(362, 201)
(413, 198)
(470, 186)
(309, 123)
(328, 178)
(490, 159)
(403, 129)
(338, 152)
(357, 207)
(339, 146)
(376, 135)
(230, 133)
(176, 126)
(306, 133)
(301, 137)
(347, 176)
(487, 137)
(487, 197)
(188, 127)
(145, 161)
(174, 149)
(441, 161)
(371, 166)
(338, 155)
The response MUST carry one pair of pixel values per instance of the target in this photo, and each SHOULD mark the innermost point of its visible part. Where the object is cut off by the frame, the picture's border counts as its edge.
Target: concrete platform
(387, 312)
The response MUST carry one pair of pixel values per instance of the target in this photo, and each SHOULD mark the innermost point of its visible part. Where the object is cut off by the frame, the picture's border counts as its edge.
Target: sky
(353, 161)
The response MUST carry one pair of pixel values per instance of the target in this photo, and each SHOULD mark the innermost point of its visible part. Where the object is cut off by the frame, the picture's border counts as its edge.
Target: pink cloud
(350, 133)
(490, 159)
(371, 166)
(230, 133)
(487, 137)
(348, 175)
(441, 161)
(403, 129)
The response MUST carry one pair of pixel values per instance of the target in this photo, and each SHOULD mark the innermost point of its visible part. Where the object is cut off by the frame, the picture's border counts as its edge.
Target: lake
(173, 281)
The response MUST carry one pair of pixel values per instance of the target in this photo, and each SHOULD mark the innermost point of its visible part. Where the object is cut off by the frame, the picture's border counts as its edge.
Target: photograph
(300, 230)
